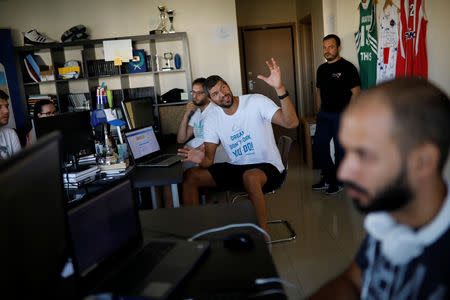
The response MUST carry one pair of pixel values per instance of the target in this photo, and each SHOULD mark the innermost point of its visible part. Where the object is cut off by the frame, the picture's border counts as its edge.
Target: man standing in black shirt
(337, 84)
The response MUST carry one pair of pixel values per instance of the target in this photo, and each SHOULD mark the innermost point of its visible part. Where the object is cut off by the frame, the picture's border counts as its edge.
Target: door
(307, 68)
(259, 45)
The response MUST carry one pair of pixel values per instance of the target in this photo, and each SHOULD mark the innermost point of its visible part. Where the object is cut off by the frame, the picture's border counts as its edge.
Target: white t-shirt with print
(9, 143)
(197, 122)
(247, 135)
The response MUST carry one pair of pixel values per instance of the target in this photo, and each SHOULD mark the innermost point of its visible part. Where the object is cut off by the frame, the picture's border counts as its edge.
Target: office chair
(284, 146)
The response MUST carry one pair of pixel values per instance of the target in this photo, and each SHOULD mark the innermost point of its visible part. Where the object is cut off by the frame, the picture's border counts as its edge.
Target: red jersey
(412, 50)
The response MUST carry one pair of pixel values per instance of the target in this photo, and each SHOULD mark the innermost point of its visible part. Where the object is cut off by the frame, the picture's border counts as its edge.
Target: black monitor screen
(139, 113)
(78, 139)
(103, 226)
(34, 222)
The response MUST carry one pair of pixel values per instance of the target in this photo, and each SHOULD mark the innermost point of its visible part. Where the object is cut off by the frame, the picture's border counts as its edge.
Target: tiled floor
(329, 230)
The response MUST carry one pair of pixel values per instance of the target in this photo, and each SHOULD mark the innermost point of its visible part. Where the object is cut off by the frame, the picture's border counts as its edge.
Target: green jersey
(366, 44)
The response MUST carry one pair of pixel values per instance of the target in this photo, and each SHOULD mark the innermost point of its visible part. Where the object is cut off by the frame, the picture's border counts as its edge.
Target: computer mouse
(239, 242)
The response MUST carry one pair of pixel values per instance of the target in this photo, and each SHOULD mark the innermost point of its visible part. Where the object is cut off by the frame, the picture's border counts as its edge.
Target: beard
(331, 58)
(231, 102)
(200, 103)
(392, 197)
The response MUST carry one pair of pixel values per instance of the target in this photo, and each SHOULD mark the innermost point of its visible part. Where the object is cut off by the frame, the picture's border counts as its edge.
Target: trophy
(168, 56)
(162, 27)
(171, 13)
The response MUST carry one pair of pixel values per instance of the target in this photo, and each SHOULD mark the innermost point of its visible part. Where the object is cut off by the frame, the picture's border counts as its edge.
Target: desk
(144, 177)
(223, 270)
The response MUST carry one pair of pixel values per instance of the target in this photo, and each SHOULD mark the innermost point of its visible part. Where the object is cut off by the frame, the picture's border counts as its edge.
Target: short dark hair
(4, 95)
(333, 36)
(200, 80)
(420, 111)
(38, 106)
(211, 81)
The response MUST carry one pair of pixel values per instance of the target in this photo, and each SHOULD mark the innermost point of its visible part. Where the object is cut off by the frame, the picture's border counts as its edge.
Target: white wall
(346, 17)
(258, 12)
(111, 18)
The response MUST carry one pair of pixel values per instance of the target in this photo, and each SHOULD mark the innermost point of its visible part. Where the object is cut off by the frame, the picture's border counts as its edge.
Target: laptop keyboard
(156, 160)
(153, 254)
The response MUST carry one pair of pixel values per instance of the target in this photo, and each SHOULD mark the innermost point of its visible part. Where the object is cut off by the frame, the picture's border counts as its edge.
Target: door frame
(307, 78)
(290, 25)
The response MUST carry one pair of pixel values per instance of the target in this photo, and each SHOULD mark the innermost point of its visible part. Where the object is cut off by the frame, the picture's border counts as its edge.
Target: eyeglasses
(196, 92)
(49, 113)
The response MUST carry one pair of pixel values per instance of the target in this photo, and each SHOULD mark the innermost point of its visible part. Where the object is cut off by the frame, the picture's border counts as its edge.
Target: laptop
(110, 256)
(145, 149)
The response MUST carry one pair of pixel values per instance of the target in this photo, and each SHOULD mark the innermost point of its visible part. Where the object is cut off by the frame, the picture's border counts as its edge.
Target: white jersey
(388, 44)
(9, 143)
(247, 135)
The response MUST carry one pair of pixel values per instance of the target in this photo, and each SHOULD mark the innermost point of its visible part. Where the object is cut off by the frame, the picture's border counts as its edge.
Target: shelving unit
(151, 84)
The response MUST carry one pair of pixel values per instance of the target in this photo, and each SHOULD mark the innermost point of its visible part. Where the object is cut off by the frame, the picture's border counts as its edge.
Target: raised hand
(274, 79)
(194, 155)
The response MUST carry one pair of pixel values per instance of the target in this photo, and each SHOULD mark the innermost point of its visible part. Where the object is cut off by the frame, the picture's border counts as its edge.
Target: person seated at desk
(42, 109)
(396, 144)
(243, 126)
(9, 142)
(193, 120)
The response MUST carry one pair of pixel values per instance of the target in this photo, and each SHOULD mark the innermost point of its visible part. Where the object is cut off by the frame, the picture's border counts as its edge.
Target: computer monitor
(138, 113)
(76, 130)
(34, 224)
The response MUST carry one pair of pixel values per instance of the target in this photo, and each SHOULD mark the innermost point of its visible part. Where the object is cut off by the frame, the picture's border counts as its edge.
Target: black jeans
(327, 127)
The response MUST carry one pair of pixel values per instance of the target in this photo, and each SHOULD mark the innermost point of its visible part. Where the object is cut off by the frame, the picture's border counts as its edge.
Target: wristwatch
(283, 96)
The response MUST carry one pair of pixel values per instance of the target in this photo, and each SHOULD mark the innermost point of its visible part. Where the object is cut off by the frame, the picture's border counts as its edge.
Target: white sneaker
(33, 37)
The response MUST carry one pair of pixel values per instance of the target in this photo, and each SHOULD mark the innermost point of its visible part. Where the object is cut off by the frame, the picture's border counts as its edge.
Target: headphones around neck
(399, 243)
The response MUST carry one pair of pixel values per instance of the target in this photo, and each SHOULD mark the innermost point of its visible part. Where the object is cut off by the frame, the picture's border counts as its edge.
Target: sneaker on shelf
(321, 185)
(334, 189)
(33, 37)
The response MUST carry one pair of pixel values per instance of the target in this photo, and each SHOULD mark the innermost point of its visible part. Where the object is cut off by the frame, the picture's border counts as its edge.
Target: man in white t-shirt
(192, 123)
(9, 142)
(243, 126)
(193, 120)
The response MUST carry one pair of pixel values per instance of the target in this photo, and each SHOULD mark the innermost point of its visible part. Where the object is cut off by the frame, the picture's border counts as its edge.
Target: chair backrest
(284, 146)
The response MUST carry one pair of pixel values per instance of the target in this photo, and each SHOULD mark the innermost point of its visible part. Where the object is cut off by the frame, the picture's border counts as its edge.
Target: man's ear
(423, 160)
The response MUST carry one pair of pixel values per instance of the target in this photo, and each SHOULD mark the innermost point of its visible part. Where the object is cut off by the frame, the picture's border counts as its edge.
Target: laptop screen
(142, 142)
(103, 226)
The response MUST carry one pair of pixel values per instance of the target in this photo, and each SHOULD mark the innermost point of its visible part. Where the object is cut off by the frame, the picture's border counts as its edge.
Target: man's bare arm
(346, 286)
(185, 132)
(286, 117)
(355, 92)
(203, 155)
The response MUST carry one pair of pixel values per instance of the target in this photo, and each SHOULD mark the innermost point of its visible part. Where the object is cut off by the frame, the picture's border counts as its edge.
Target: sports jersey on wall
(412, 51)
(387, 44)
(366, 44)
